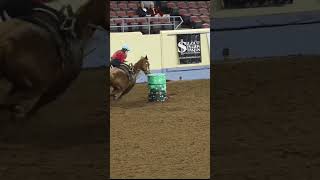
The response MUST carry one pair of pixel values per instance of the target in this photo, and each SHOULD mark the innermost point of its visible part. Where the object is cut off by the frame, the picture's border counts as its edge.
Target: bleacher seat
(184, 12)
(122, 14)
(118, 21)
(182, 5)
(194, 12)
(196, 22)
(205, 18)
(154, 20)
(195, 19)
(113, 14)
(192, 4)
(202, 4)
(171, 5)
(166, 22)
(132, 22)
(204, 11)
(143, 21)
(132, 6)
(205, 25)
(155, 29)
(113, 29)
(132, 14)
(112, 22)
(114, 7)
(123, 6)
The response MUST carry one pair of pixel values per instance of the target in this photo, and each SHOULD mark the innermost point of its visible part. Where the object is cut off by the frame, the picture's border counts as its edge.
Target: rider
(119, 57)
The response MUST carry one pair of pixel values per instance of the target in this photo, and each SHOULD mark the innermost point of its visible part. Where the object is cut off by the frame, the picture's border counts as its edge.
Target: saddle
(60, 27)
(128, 69)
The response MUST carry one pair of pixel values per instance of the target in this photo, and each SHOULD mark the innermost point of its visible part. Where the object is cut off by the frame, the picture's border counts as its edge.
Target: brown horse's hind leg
(117, 94)
(22, 101)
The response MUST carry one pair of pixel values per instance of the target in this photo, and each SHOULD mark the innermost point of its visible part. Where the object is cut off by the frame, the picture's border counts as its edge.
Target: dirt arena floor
(162, 140)
(266, 119)
(65, 140)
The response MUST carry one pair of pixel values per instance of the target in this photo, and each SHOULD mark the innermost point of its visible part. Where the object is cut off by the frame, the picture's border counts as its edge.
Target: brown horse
(122, 81)
(41, 60)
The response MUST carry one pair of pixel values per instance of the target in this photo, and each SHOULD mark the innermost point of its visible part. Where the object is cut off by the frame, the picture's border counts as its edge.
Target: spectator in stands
(154, 11)
(142, 11)
(119, 57)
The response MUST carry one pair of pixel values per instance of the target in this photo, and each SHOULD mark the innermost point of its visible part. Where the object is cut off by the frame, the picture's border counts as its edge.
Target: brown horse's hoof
(18, 114)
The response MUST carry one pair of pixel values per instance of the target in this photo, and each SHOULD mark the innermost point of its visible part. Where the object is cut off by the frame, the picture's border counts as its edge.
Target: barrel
(157, 85)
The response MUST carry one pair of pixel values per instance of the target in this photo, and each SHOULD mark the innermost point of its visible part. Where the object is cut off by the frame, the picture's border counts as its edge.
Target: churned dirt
(65, 140)
(266, 119)
(162, 140)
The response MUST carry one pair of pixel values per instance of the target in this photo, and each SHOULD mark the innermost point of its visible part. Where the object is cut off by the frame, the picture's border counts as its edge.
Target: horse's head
(144, 64)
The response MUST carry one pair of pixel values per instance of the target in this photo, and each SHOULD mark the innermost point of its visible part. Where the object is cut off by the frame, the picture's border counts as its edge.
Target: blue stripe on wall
(186, 73)
(98, 45)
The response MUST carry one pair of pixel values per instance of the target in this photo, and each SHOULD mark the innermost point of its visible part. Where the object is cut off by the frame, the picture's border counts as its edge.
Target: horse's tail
(111, 75)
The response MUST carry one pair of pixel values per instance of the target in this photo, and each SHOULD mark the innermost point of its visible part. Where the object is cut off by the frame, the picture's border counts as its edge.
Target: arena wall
(297, 6)
(162, 53)
(264, 32)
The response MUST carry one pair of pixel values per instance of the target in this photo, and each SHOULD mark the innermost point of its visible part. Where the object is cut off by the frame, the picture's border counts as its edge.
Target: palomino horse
(122, 80)
(41, 55)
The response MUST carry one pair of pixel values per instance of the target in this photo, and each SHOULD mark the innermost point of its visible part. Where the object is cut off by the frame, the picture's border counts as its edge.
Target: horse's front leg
(22, 102)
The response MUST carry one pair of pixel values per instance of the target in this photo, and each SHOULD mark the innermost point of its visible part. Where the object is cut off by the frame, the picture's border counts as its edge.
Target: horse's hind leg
(22, 101)
(117, 93)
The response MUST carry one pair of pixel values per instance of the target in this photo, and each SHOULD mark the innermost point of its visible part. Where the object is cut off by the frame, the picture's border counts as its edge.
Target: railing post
(149, 24)
(175, 26)
(122, 25)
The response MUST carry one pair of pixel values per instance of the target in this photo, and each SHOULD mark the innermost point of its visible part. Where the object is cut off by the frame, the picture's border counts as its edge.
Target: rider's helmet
(125, 47)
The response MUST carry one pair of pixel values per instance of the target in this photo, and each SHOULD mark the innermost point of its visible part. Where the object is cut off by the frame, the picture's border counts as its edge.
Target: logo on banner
(189, 48)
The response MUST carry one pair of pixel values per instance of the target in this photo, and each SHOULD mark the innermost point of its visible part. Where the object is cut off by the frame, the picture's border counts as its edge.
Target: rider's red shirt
(120, 55)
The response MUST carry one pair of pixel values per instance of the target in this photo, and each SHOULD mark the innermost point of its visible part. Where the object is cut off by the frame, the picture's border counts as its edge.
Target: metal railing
(172, 19)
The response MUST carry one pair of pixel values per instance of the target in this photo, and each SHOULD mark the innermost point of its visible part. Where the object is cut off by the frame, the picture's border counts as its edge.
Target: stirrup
(69, 22)
(131, 67)
(68, 25)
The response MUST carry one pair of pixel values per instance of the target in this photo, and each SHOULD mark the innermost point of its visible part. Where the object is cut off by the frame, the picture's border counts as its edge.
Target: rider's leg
(115, 63)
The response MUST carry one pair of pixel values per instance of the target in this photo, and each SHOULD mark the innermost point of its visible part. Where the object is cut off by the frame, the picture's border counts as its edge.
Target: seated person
(142, 11)
(154, 11)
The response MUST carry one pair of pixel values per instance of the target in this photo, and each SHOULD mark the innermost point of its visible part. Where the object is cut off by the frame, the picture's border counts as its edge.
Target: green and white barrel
(157, 87)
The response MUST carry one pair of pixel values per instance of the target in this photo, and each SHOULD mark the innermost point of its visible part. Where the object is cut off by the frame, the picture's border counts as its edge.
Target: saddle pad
(126, 68)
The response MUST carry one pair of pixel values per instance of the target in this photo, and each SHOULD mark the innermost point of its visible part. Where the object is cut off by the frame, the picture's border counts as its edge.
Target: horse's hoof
(18, 114)
(18, 117)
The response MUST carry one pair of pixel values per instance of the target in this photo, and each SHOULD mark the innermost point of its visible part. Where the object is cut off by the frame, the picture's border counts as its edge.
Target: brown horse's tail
(111, 76)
